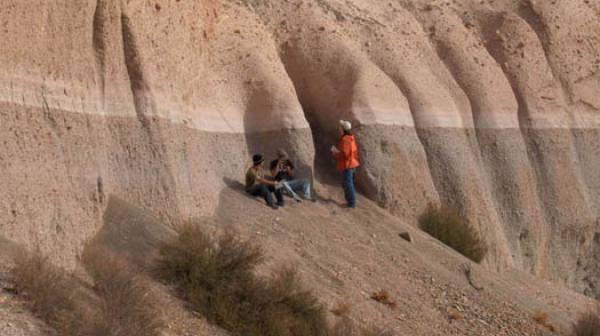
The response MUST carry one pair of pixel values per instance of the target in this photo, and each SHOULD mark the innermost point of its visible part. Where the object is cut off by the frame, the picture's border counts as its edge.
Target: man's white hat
(346, 125)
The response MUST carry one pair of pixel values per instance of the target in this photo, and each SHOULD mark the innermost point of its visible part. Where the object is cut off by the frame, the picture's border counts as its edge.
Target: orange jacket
(347, 157)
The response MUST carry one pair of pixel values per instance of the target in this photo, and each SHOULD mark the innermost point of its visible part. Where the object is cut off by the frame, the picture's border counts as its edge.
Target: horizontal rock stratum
(491, 107)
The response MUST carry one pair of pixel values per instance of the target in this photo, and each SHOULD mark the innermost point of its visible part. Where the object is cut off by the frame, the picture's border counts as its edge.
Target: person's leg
(262, 191)
(278, 194)
(301, 184)
(254, 191)
(266, 194)
(349, 191)
(306, 189)
(289, 187)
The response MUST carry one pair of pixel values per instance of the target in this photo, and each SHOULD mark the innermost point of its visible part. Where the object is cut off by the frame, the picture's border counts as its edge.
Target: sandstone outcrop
(488, 106)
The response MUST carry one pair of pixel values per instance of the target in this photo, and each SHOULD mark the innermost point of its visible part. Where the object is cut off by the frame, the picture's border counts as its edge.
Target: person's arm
(344, 148)
(265, 181)
(274, 168)
(290, 168)
(262, 179)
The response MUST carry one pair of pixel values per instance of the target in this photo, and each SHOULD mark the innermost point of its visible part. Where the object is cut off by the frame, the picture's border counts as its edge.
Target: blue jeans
(292, 185)
(265, 191)
(348, 184)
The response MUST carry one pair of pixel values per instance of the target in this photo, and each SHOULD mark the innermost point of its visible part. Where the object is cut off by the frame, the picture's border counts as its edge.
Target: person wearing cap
(258, 185)
(346, 156)
(282, 169)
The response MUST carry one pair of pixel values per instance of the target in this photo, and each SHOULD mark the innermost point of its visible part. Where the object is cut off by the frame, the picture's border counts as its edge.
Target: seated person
(283, 171)
(258, 185)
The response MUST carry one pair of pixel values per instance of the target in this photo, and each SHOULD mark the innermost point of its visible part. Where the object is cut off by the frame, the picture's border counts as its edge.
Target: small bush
(120, 303)
(542, 319)
(217, 277)
(50, 293)
(446, 225)
(384, 297)
(588, 324)
(129, 305)
(454, 315)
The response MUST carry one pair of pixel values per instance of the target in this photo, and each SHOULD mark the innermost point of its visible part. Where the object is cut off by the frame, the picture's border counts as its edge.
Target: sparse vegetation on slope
(120, 304)
(129, 305)
(49, 291)
(588, 324)
(450, 228)
(217, 277)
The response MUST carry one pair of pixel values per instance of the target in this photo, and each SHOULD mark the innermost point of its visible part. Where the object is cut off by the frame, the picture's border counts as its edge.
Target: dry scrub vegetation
(450, 228)
(542, 319)
(129, 305)
(119, 304)
(588, 324)
(217, 276)
(50, 293)
(385, 298)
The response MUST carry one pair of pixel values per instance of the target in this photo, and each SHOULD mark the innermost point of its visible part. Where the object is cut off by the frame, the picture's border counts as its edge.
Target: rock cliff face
(488, 106)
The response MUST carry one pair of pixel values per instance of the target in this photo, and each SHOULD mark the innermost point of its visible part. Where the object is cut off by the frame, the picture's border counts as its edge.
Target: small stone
(406, 236)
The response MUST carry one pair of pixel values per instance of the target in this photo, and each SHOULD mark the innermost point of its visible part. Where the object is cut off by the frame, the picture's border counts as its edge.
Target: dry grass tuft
(120, 303)
(217, 277)
(455, 315)
(588, 324)
(384, 297)
(446, 225)
(542, 319)
(341, 308)
(129, 306)
(50, 293)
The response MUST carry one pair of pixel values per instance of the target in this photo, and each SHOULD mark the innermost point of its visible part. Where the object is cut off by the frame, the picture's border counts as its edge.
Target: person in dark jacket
(282, 169)
(258, 185)
(346, 156)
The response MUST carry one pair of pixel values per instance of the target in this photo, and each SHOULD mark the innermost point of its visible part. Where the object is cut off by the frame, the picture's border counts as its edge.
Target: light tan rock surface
(488, 106)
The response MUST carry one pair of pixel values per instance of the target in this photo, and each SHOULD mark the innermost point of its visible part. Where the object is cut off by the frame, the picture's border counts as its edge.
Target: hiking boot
(274, 206)
(280, 204)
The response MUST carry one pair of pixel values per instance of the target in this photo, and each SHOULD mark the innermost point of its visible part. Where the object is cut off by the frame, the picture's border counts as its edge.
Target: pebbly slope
(488, 106)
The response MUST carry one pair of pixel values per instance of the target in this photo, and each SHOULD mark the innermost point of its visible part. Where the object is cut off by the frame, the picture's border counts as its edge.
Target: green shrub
(588, 324)
(446, 225)
(217, 277)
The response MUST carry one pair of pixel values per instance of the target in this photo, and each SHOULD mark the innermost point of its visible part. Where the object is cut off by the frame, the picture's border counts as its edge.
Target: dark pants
(348, 184)
(265, 191)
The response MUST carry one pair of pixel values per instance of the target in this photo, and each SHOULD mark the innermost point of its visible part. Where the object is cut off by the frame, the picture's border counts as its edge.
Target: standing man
(282, 169)
(346, 156)
(258, 185)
